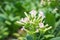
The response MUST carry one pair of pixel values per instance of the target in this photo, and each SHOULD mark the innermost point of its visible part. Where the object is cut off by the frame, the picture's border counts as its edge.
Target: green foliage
(3, 31)
(13, 10)
(57, 38)
(50, 19)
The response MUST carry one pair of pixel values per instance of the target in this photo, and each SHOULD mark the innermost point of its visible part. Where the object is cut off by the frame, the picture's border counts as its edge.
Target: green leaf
(57, 38)
(8, 23)
(50, 19)
(48, 36)
(8, 7)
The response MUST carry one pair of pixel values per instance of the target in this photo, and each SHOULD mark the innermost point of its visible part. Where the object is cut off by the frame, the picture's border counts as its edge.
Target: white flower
(26, 19)
(33, 13)
(23, 20)
(41, 14)
(41, 25)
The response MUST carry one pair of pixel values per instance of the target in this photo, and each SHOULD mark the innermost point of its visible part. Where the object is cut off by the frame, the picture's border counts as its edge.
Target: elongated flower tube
(37, 30)
(26, 14)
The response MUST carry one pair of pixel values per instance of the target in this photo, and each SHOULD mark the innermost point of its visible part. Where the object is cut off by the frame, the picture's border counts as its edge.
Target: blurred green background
(13, 10)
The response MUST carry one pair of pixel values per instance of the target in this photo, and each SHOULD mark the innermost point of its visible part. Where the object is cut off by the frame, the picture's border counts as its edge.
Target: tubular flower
(41, 25)
(41, 14)
(24, 20)
(33, 13)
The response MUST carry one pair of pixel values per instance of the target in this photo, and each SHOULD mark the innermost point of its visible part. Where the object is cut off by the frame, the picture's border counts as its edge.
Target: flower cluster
(33, 22)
